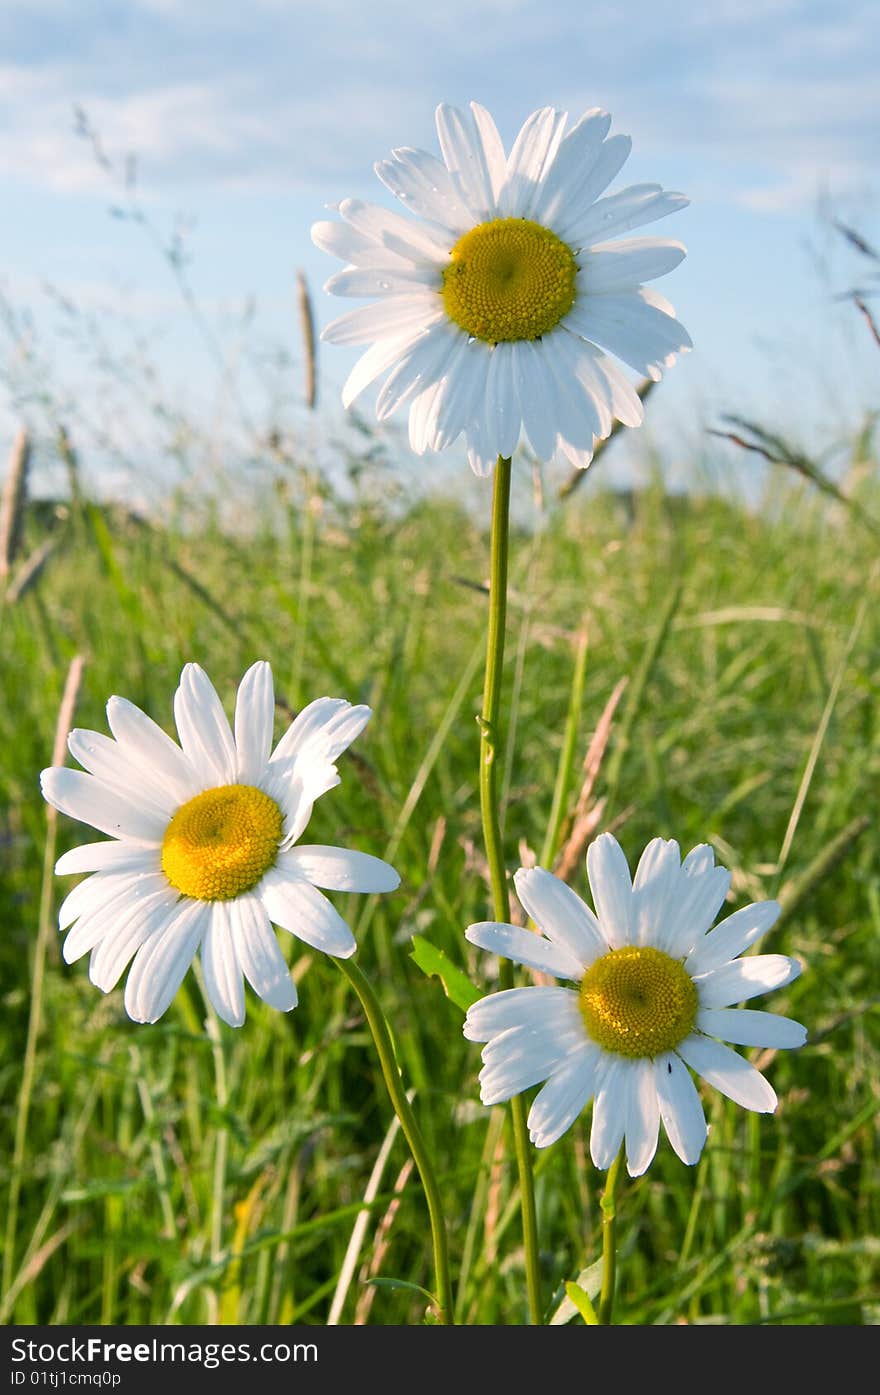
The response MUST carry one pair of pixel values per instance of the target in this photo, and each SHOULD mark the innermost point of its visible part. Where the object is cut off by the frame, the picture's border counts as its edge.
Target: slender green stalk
(566, 757)
(41, 949)
(384, 1046)
(30, 1053)
(221, 1142)
(489, 745)
(609, 1255)
(307, 552)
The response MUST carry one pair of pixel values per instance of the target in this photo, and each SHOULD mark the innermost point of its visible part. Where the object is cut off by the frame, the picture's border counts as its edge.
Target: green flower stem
(382, 1037)
(489, 746)
(609, 1256)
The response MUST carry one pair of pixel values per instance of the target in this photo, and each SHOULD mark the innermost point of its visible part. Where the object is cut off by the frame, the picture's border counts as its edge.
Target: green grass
(171, 1173)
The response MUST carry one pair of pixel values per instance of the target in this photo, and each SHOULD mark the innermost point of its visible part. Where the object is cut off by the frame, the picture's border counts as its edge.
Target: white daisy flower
(204, 853)
(495, 303)
(656, 987)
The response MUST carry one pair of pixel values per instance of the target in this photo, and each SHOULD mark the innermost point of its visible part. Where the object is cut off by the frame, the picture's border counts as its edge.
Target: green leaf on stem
(434, 963)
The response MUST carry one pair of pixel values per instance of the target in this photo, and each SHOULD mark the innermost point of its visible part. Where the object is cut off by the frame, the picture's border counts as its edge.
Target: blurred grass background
(192, 1173)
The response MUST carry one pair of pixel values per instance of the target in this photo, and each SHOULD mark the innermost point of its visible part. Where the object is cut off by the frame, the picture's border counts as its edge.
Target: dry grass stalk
(576, 477)
(69, 456)
(12, 504)
(871, 322)
(493, 1201)
(29, 571)
(307, 326)
(66, 713)
(587, 815)
(380, 1246)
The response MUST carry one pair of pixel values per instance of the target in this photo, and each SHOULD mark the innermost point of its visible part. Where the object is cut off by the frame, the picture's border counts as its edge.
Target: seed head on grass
(13, 501)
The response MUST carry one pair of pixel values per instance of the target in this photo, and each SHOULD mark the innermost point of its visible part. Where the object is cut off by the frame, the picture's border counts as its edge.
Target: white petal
(338, 869)
(492, 158)
(288, 790)
(223, 977)
(110, 763)
(111, 956)
(377, 360)
(612, 889)
(746, 978)
(745, 1027)
(654, 886)
(610, 158)
(409, 240)
(481, 460)
(561, 1100)
(161, 964)
(106, 922)
(107, 857)
(537, 395)
(426, 188)
(561, 914)
(624, 324)
(90, 895)
(362, 281)
(297, 906)
(533, 153)
(482, 452)
(621, 266)
(362, 249)
(89, 800)
(302, 765)
(700, 859)
(473, 153)
(551, 1040)
(254, 722)
(619, 394)
(610, 1110)
(422, 365)
(422, 415)
(463, 384)
(103, 888)
(680, 1107)
(203, 728)
(581, 415)
(732, 936)
(642, 1119)
(729, 1073)
(578, 459)
(604, 383)
(327, 726)
(571, 169)
(692, 910)
(504, 420)
(520, 1007)
(519, 1058)
(150, 747)
(523, 947)
(391, 317)
(260, 957)
(630, 208)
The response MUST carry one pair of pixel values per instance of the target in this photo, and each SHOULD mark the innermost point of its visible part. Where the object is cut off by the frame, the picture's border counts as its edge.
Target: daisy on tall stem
(496, 308)
(203, 857)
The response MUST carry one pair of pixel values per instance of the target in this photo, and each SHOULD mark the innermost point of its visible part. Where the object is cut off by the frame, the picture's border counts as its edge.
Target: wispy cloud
(773, 97)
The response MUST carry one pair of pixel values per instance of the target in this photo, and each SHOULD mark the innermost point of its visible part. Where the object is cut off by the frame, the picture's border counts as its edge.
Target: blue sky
(248, 119)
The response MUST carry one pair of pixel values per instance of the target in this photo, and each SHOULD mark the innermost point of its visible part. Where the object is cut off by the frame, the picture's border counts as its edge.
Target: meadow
(719, 660)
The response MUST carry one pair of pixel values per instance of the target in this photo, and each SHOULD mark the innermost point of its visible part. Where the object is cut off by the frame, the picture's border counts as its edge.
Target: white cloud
(772, 97)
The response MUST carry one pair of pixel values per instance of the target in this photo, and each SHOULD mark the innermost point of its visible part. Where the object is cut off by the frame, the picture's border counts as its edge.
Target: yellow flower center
(509, 279)
(638, 1002)
(219, 844)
